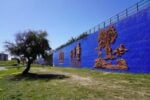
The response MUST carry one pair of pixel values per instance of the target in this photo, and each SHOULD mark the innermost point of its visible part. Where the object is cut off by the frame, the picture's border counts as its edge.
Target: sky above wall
(62, 19)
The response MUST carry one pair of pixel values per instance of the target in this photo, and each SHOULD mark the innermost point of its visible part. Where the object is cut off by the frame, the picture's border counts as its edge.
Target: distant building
(3, 57)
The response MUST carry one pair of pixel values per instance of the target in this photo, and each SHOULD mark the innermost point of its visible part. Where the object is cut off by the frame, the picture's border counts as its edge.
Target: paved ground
(2, 68)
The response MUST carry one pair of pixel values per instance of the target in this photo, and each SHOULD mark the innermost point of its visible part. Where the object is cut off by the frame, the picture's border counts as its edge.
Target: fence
(131, 47)
(127, 12)
(112, 20)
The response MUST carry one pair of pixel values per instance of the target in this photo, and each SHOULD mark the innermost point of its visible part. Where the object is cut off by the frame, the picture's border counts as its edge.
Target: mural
(123, 48)
(105, 39)
(75, 55)
(61, 56)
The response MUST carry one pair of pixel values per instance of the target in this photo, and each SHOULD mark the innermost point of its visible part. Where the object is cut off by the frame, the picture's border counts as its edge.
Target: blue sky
(62, 19)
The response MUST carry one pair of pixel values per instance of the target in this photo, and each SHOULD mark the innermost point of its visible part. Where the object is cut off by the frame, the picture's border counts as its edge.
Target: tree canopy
(29, 44)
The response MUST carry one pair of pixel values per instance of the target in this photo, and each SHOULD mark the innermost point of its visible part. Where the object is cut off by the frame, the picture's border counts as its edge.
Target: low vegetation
(8, 63)
(81, 36)
(56, 83)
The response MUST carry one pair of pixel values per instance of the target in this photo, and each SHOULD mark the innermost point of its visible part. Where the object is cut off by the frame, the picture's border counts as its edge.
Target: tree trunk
(27, 68)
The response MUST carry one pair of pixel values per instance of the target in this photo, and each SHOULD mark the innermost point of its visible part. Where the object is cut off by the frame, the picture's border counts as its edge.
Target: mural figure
(105, 39)
(75, 55)
(74, 52)
(61, 57)
(71, 55)
(120, 50)
(78, 52)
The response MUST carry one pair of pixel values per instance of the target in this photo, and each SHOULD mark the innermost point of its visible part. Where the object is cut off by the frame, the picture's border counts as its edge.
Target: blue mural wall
(133, 32)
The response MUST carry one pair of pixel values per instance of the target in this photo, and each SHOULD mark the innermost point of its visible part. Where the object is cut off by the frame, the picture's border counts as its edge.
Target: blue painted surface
(133, 32)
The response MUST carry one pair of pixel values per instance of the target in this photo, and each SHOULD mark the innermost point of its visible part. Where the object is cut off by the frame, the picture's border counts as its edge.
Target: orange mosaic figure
(74, 53)
(106, 38)
(78, 52)
(71, 55)
(99, 63)
(108, 51)
(122, 64)
(61, 56)
(120, 51)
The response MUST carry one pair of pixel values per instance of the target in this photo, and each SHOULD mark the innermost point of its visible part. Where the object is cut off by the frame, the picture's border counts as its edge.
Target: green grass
(78, 84)
(8, 63)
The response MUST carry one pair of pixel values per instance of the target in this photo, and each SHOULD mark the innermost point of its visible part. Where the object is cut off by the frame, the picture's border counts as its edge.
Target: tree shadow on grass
(35, 76)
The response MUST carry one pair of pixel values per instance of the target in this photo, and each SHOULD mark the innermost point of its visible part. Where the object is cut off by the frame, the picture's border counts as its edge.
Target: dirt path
(76, 78)
(2, 68)
(73, 78)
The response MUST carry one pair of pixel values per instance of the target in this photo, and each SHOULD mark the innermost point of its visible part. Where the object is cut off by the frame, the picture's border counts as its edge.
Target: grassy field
(55, 83)
(8, 63)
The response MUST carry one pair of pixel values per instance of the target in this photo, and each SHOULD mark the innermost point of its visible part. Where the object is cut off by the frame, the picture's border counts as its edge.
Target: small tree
(29, 44)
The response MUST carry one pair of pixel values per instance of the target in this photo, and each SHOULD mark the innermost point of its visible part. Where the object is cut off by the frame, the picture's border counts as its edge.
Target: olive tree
(29, 44)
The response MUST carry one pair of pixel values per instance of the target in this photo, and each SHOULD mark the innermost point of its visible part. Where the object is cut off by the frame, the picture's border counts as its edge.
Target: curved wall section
(129, 52)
